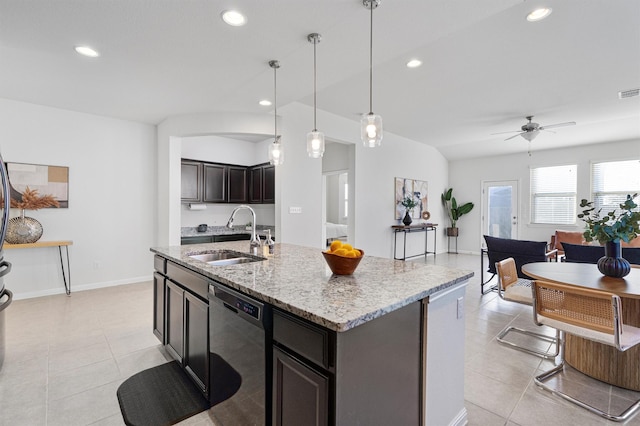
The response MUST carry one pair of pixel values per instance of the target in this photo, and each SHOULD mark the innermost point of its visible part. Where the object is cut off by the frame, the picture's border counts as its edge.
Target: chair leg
(540, 379)
(543, 337)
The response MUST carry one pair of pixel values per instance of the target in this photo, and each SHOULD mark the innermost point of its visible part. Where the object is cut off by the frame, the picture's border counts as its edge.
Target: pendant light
(315, 139)
(276, 153)
(371, 124)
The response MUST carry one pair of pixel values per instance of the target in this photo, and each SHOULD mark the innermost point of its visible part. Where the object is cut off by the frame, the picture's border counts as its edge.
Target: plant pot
(23, 230)
(452, 232)
(613, 264)
(407, 219)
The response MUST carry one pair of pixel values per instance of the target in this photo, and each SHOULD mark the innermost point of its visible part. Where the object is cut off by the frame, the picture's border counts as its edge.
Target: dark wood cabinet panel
(237, 184)
(269, 184)
(215, 183)
(158, 306)
(196, 351)
(191, 181)
(300, 394)
(174, 319)
(255, 184)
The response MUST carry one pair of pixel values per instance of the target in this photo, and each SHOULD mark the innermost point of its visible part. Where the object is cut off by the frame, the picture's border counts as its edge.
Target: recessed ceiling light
(234, 18)
(414, 63)
(539, 14)
(265, 102)
(87, 51)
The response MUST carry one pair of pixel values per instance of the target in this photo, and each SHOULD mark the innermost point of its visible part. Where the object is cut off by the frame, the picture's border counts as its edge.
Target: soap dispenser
(270, 243)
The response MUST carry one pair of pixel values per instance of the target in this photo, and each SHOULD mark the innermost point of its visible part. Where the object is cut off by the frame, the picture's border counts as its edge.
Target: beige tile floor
(66, 356)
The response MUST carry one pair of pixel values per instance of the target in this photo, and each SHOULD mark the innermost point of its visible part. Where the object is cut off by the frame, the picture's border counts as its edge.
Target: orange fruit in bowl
(352, 253)
(335, 245)
(347, 246)
(341, 252)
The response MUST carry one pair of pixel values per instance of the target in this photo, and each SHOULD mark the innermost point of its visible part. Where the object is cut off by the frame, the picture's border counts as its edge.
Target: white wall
(466, 177)
(112, 197)
(375, 171)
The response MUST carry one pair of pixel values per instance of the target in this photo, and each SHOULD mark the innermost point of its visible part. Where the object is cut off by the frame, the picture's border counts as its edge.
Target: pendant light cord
(315, 127)
(275, 66)
(371, 60)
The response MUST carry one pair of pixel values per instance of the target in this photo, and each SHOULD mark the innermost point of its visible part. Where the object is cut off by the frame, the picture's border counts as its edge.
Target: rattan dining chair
(591, 314)
(515, 289)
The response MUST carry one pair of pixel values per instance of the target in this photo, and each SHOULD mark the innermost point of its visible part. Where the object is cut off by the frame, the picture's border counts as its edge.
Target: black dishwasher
(239, 387)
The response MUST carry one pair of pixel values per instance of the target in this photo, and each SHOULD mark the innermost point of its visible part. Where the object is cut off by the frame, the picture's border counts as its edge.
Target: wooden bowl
(341, 265)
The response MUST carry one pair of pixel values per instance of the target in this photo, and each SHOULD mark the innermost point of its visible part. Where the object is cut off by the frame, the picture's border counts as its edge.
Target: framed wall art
(414, 188)
(47, 180)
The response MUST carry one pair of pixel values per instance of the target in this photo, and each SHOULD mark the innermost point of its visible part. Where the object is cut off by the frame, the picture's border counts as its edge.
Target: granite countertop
(192, 231)
(297, 279)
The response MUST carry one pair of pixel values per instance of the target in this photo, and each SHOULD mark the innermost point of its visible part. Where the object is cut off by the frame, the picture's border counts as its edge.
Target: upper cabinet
(223, 183)
(191, 181)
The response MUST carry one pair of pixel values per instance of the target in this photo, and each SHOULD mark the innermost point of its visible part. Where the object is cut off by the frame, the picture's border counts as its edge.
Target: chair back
(575, 253)
(582, 307)
(507, 272)
(521, 251)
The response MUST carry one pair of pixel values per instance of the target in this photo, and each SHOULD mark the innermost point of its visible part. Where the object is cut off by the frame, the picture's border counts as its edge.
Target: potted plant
(609, 229)
(409, 203)
(454, 210)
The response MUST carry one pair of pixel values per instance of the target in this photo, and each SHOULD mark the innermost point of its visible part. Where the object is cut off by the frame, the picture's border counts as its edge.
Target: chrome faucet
(254, 244)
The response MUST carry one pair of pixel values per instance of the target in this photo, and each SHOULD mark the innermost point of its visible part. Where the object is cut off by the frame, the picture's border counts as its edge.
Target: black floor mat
(161, 395)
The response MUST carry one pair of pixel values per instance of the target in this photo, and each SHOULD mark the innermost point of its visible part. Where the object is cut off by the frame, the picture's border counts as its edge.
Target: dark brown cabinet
(191, 181)
(181, 318)
(174, 317)
(300, 394)
(204, 182)
(196, 342)
(215, 183)
(158, 305)
(262, 184)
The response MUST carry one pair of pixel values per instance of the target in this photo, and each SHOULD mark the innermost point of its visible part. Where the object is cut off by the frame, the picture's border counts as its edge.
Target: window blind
(553, 194)
(612, 181)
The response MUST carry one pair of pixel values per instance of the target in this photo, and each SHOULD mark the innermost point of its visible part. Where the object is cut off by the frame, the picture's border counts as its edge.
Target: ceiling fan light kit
(531, 130)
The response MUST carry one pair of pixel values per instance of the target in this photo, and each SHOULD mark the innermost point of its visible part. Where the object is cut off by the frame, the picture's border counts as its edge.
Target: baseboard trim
(81, 287)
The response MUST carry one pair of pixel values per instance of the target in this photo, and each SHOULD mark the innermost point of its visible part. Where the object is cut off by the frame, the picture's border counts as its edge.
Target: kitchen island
(382, 346)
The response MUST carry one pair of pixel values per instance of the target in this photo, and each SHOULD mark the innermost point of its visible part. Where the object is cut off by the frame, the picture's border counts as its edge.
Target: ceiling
(484, 66)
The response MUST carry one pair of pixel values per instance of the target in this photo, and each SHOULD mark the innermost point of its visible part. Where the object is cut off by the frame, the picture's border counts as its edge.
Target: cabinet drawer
(160, 264)
(193, 282)
(196, 240)
(305, 339)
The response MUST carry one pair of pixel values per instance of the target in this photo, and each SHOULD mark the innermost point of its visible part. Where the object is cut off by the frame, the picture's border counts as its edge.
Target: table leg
(67, 286)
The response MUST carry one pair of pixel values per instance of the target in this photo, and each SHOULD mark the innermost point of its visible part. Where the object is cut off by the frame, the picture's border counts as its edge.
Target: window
(612, 181)
(553, 195)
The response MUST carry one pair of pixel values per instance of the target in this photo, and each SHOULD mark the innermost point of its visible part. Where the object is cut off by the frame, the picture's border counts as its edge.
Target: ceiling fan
(530, 130)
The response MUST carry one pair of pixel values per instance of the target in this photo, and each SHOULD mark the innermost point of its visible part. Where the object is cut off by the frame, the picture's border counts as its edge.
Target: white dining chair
(591, 314)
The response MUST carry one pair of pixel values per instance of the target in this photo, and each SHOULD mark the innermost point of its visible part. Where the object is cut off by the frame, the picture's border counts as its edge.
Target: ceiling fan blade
(551, 126)
(514, 136)
(504, 133)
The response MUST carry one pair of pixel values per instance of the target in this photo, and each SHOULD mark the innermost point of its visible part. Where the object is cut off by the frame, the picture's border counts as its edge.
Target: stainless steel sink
(225, 258)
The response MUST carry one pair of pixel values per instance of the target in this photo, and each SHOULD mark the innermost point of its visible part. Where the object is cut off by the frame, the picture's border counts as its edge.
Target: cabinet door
(269, 184)
(158, 305)
(196, 240)
(237, 184)
(215, 183)
(196, 352)
(300, 394)
(191, 181)
(174, 317)
(255, 185)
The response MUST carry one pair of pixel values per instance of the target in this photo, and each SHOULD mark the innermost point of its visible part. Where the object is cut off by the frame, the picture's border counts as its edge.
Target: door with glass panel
(500, 209)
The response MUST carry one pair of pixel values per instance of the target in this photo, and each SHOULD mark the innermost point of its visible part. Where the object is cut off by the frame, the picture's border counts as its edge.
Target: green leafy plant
(454, 210)
(409, 203)
(622, 224)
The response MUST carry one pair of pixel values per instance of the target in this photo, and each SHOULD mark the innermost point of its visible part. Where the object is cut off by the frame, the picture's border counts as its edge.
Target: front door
(500, 209)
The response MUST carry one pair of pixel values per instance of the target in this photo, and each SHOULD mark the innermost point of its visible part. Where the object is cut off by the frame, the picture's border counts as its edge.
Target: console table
(59, 244)
(421, 227)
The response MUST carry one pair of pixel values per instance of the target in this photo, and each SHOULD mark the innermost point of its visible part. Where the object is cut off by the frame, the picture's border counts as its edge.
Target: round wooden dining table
(598, 360)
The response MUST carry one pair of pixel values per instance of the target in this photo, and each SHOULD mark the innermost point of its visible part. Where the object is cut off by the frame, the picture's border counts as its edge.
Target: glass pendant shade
(276, 153)
(315, 144)
(371, 130)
